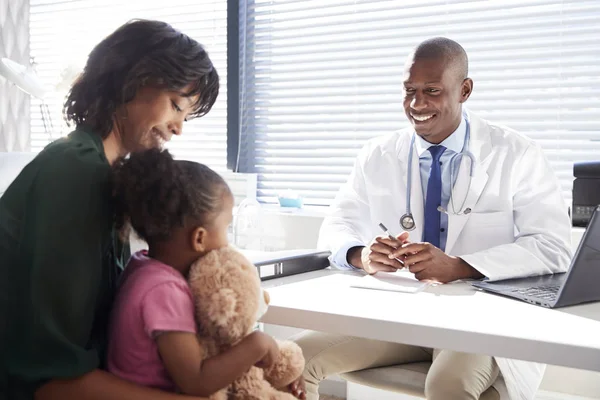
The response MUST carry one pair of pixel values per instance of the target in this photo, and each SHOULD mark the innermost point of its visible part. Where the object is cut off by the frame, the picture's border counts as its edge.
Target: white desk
(453, 316)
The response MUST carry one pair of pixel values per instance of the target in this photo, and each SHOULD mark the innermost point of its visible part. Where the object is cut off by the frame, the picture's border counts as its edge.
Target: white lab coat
(519, 224)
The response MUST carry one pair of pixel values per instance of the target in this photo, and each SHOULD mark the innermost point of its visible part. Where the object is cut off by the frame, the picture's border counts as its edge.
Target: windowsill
(307, 211)
(321, 212)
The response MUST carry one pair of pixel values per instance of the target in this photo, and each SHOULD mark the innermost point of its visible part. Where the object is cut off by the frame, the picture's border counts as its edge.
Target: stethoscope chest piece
(407, 222)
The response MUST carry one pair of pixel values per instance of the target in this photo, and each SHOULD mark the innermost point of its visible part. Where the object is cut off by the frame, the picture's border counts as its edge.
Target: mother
(59, 254)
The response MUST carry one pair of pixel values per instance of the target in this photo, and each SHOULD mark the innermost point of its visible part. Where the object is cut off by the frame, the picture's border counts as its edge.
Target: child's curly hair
(154, 194)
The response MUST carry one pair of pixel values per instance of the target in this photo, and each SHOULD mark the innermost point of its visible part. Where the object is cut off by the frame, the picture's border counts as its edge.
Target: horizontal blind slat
(322, 78)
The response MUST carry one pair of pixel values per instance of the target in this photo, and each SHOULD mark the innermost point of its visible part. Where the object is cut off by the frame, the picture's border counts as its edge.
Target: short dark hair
(154, 194)
(447, 49)
(140, 52)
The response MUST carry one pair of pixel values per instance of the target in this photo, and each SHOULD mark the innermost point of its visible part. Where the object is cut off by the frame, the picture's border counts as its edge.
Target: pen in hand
(385, 230)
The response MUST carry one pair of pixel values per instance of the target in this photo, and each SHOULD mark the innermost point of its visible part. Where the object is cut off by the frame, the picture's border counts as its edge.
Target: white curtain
(14, 103)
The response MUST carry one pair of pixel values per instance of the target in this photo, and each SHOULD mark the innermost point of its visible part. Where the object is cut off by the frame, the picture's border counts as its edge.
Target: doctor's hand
(374, 257)
(296, 388)
(428, 262)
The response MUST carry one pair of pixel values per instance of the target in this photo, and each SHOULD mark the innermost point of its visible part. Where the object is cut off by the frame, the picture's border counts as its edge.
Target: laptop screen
(582, 281)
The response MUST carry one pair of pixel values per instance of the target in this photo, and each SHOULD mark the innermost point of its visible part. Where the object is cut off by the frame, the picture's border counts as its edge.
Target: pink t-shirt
(152, 298)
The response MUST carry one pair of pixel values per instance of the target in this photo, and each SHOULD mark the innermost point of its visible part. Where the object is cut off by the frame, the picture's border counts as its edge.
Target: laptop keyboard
(542, 292)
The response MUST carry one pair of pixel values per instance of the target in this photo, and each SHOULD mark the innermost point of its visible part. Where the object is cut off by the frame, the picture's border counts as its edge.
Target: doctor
(474, 199)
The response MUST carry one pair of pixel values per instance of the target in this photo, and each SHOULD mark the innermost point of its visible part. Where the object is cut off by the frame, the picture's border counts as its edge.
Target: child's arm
(182, 356)
(101, 385)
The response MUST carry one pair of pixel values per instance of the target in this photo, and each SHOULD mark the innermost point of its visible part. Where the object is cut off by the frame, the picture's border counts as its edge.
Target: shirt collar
(88, 136)
(454, 142)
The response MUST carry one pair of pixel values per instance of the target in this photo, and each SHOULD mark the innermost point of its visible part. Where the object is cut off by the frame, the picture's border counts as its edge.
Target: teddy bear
(229, 302)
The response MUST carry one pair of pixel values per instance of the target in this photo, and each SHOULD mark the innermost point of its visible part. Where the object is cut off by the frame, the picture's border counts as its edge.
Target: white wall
(14, 103)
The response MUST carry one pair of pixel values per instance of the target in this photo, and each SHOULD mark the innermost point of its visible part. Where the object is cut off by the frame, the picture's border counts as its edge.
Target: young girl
(182, 210)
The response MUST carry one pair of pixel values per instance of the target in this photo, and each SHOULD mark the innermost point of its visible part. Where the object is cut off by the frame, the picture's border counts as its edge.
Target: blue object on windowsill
(290, 201)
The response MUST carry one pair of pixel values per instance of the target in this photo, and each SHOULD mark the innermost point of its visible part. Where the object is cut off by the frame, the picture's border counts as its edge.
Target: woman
(59, 254)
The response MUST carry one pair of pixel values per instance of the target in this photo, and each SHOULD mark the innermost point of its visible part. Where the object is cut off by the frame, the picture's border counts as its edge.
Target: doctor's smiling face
(435, 86)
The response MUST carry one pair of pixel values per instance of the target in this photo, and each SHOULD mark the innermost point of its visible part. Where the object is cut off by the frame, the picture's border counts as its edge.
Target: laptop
(580, 284)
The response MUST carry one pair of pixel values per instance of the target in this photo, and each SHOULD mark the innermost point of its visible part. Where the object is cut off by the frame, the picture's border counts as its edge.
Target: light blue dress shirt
(454, 145)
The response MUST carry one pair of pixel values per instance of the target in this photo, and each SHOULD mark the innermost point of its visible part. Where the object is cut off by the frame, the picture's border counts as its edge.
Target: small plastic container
(290, 199)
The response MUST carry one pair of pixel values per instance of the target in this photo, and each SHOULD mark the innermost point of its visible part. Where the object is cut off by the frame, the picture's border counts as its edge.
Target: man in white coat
(502, 216)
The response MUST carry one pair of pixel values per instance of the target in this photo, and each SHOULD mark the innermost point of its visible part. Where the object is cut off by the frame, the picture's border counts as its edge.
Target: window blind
(62, 33)
(320, 78)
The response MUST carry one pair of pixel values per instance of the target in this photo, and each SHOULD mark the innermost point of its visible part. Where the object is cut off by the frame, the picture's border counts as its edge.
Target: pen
(385, 230)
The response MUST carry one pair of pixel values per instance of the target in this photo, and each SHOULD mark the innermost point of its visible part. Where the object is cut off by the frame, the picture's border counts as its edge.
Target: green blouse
(59, 262)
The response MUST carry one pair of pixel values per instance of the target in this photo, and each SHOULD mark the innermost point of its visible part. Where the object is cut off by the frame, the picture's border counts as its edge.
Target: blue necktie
(431, 232)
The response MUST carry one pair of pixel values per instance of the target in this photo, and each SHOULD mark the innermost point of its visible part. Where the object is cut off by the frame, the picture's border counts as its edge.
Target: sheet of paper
(399, 281)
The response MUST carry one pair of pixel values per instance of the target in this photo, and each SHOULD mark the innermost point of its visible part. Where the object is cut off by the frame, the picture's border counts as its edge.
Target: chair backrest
(11, 165)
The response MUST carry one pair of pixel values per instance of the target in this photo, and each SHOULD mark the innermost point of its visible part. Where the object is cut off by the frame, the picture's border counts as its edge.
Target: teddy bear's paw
(220, 395)
(288, 367)
(278, 395)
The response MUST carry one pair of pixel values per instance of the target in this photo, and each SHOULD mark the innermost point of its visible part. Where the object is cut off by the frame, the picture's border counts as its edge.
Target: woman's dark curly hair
(139, 53)
(155, 194)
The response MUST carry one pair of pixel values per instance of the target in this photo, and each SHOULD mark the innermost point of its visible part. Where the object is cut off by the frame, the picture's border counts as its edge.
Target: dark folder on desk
(278, 264)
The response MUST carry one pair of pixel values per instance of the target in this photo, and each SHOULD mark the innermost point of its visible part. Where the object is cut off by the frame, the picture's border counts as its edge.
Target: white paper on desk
(399, 281)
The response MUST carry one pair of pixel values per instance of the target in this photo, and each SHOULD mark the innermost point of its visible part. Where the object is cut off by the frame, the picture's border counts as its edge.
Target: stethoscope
(407, 221)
